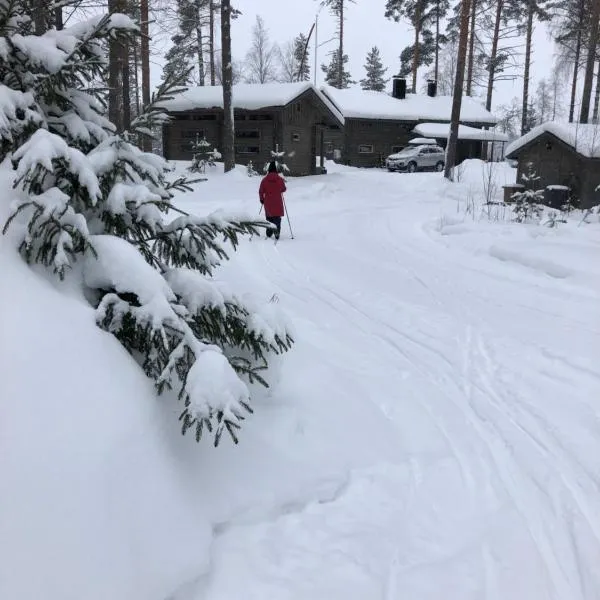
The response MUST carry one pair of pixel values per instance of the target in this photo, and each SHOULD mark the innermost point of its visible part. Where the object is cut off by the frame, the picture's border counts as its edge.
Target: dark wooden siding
(255, 134)
(183, 129)
(303, 120)
(590, 188)
(382, 136)
(558, 164)
(386, 137)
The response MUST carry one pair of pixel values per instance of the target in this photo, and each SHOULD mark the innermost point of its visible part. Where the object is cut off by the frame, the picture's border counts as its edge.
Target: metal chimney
(399, 87)
(431, 88)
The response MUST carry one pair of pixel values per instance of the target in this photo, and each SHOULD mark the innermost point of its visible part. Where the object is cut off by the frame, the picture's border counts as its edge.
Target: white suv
(416, 158)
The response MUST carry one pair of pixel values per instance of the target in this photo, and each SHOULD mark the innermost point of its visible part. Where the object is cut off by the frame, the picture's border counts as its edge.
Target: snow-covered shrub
(250, 170)
(278, 157)
(527, 204)
(204, 156)
(91, 206)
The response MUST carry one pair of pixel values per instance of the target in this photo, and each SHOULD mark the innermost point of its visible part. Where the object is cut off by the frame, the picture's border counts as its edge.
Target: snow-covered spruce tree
(527, 204)
(278, 157)
(93, 207)
(375, 72)
(204, 156)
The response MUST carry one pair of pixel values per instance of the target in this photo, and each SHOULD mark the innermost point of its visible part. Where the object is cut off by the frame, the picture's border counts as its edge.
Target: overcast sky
(365, 27)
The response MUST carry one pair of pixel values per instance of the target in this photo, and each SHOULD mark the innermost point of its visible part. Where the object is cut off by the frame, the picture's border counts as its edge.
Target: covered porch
(473, 143)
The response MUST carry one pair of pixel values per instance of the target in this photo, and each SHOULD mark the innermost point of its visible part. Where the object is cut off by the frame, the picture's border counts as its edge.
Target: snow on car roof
(365, 104)
(421, 141)
(442, 130)
(584, 139)
(247, 96)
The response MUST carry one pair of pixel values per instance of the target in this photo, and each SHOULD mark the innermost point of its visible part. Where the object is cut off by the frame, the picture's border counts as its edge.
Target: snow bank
(92, 505)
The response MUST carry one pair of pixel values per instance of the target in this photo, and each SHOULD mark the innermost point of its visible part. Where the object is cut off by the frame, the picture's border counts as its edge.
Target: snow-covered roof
(247, 96)
(584, 139)
(419, 141)
(362, 104)
(442, 131)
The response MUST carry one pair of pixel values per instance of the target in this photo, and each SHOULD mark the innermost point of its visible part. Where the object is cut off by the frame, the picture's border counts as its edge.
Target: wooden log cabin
(377, 124)
(291, 117)
(562, 154)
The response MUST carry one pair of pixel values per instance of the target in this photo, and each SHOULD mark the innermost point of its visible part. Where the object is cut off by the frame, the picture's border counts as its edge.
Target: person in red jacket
(270, 193)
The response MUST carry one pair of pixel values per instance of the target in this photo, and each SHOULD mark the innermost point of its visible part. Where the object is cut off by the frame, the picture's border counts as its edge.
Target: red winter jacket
(270, 193)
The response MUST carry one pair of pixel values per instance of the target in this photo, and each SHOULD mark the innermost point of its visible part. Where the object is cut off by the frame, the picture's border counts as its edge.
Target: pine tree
(332, 72)
(375, 72)
(227, 14)
(94, 208)
(205, 155)
(302, 55)
(338, 8)
(527, 207)
(178, 61)
(420, 14)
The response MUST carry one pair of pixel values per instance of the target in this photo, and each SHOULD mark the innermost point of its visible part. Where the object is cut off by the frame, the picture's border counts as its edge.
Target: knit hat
(272, 167)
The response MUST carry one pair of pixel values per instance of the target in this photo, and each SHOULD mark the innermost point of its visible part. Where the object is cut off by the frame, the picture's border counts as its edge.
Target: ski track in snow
(510, 507)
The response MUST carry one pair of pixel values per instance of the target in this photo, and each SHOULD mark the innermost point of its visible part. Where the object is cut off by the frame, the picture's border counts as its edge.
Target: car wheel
(412, 167)
(439, 167)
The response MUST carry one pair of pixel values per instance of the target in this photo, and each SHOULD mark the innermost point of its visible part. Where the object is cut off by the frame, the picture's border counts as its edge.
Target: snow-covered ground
(434, 433)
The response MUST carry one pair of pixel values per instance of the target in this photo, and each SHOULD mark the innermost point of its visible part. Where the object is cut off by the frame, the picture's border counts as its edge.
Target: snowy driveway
(436, 431)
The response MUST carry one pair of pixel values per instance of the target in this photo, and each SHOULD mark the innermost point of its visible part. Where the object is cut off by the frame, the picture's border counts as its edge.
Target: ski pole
(288, 216)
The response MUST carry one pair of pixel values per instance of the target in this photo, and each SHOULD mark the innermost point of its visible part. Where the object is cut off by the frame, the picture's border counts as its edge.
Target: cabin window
(260, 117)
(248, 134)
(247, 150)
(365, 149)
(396, 149)
(295, 137)
(182, 117)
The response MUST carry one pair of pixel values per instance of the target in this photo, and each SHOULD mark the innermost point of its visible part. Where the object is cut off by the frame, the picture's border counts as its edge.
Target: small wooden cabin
(378, 124)
(562, 154)
(291, 117)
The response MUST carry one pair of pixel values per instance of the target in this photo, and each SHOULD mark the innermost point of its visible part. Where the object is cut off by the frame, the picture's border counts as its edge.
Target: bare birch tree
(261, 66)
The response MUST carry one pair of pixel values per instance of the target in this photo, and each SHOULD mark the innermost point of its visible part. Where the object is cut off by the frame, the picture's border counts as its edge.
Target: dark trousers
(277, 222)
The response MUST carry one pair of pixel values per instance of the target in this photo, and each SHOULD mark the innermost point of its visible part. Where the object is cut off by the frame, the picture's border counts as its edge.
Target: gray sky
(365, 27)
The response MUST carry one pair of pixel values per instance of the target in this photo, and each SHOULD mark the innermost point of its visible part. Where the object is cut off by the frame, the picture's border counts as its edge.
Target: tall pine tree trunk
(126, 89)
(341, 51)
(436, 69)
(471, 47)
(117, 58)
(200, 49)
(145, 59)
(528, 37)
(58, 18)
(227, 77)
(211, 41)
(591, 61)
(596, 96)
(494, 55)
(451, 150)
(38, 11)
(416, 53)
(576, 62)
